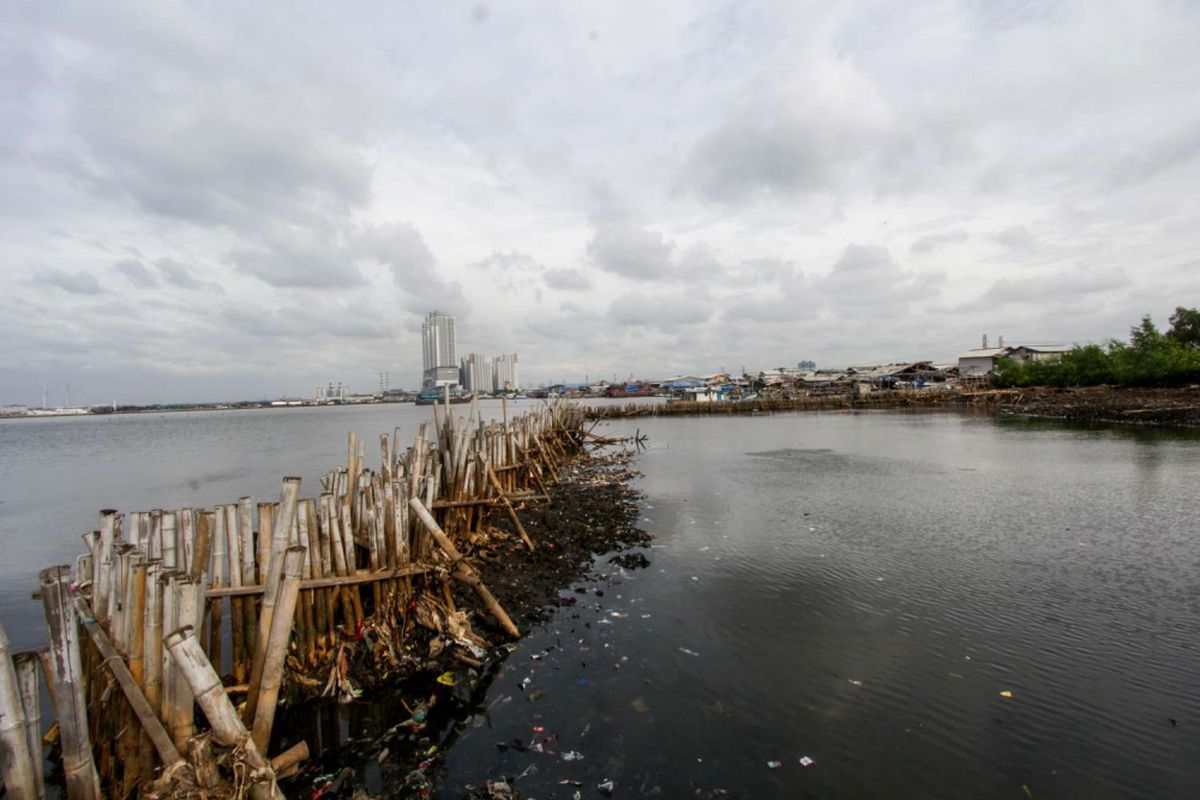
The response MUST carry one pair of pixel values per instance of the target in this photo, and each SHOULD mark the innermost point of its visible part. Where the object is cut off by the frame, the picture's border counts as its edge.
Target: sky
(219, 201)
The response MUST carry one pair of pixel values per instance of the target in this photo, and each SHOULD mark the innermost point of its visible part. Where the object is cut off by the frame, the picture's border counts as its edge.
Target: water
(854, 588)
(859, 589)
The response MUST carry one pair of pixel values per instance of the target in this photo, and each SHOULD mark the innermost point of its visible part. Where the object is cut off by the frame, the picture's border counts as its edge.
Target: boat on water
(432, 396)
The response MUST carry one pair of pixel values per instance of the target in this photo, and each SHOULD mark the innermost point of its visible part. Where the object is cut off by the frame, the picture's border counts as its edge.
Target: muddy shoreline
(1108, 404)
(1171, 407)
(389, 741)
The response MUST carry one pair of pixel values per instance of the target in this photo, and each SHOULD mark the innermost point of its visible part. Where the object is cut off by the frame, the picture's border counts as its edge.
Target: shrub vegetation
(1151, 358)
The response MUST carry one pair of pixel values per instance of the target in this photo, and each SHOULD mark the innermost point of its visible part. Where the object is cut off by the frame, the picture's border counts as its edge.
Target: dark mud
(389, 741)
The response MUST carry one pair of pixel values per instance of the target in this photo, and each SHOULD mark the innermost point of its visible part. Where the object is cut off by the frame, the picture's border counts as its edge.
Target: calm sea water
(855, 589)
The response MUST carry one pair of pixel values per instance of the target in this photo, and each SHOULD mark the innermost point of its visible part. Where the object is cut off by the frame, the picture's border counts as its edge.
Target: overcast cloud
(228, 201)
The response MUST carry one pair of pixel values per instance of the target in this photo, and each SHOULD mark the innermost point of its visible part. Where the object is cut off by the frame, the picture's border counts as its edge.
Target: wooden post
(167, 752)
(19, 777)
(279, 544)
(222, 717)
(26, 665)
(462, 570)
(80, 770)
(277, 648)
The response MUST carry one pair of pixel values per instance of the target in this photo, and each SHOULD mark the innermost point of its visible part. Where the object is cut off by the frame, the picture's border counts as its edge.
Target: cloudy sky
(241, 200)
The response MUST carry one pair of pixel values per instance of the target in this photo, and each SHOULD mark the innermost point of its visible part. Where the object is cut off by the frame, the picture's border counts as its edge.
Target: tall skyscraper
(441, 366)
(507, 379)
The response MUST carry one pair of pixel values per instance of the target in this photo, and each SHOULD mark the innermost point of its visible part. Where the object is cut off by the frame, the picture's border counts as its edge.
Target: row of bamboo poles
(163, 602)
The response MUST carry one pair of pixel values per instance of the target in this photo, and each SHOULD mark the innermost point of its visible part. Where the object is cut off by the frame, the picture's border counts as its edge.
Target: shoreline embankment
(1173, 407)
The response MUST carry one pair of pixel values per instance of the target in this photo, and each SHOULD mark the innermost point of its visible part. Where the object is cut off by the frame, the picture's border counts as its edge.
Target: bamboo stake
(249, 611)
(80, 770)
(216, 607)
(279, 544)
(167, 751)
(48, 675)
(182, 718)
(463, 570)
(307, 611)
(508, 506)
(277, 647)
(234, 545)
(19, 777)
(169, 621)
(170, 540)
(226, 726)
(103, 565)
(152, 654)
(26, 665)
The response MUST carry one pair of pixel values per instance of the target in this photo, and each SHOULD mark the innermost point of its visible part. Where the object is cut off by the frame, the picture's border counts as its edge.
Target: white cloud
(227, 191)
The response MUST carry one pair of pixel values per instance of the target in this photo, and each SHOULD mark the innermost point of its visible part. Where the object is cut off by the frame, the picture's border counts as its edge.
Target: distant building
(983, 361)
(441, 367)
(507, 377)
(478, 374)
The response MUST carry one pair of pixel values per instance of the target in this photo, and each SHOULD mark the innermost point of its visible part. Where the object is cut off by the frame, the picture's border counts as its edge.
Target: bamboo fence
(163, 602)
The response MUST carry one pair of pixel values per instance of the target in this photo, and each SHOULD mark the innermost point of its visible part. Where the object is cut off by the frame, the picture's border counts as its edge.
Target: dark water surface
(857, 589)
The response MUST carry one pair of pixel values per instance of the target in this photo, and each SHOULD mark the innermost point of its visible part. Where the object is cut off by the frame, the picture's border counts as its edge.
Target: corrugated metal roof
(991, 352)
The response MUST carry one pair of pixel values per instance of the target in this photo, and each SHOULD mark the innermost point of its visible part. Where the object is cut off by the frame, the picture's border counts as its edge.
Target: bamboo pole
(249, 611)
(277, 647)
(170, 540)
(223, 718)
(216, 607)
(508, 506)
(103, 564)
(316, 600)
(308, 610)
(168, 753)
(19, 777)
(234, 545)
(286, 763)
(169, 621)
(152, 654)
(279, 543)
(80, 770)
(462, 570)
(182, 718)
(28, 683)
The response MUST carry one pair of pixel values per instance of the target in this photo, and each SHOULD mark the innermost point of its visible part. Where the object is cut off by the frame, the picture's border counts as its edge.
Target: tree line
(1150, 358)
